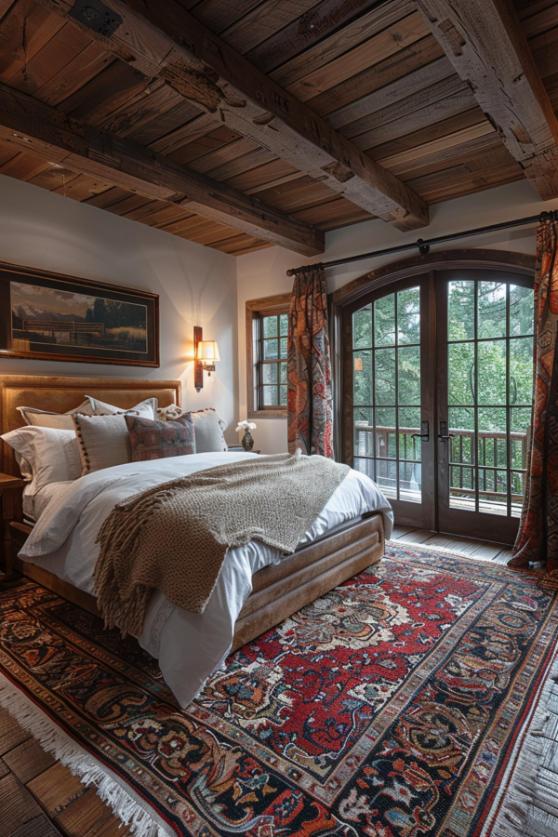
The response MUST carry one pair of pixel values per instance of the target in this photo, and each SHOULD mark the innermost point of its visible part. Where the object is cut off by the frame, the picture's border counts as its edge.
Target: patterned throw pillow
(159, 439)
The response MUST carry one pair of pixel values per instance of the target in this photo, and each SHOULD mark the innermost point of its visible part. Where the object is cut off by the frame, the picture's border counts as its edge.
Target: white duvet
(188, 646)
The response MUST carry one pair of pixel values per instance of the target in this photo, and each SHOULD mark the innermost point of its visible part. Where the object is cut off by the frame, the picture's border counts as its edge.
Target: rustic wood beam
(487, 47)
(164, 41)
(53, 135)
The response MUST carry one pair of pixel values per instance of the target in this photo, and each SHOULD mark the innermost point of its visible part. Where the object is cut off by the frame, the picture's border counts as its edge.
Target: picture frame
(52, 316)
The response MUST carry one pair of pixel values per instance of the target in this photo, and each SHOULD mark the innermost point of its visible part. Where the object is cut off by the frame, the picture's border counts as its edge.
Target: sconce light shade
(208, 351)
(358, 364)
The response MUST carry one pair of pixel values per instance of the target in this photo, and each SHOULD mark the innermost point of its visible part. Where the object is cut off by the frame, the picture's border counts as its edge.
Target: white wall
(263, 273)
(196, 285)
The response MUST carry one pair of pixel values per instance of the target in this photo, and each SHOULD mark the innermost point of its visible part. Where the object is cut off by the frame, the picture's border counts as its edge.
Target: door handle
(424, 434)
(443, 435)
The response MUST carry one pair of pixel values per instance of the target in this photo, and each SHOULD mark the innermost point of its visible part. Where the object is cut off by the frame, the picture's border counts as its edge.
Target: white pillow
(208, 431)
(103, 441)
(59, 421)
(52, 455)
(208, 427)
(145, 409)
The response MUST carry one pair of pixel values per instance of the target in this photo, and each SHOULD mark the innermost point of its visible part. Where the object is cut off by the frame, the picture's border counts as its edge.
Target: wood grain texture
(51, 134)
(486, 45)
(209, 73)
(372, 71)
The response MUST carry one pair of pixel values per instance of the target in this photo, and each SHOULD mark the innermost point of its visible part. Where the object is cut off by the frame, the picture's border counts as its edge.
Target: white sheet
(35, 503)
(188, 646)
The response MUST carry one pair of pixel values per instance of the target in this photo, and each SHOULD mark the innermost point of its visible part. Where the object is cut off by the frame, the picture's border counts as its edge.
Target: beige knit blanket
(174, 537)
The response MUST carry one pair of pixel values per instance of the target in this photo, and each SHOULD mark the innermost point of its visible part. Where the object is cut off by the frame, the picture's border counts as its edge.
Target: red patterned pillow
(158, 439)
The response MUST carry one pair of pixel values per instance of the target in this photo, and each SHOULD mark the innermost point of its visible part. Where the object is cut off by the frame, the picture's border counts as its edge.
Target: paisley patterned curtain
(537, 539)
(310, 401)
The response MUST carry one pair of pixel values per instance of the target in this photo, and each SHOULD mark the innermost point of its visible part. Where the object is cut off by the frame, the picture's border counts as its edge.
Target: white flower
(245, 425)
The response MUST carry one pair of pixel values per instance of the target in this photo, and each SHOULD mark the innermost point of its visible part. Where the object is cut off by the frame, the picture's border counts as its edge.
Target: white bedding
(188, 646)
(35, 503)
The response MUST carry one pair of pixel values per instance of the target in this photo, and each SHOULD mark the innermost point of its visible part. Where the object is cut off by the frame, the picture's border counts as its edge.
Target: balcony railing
(490, 466)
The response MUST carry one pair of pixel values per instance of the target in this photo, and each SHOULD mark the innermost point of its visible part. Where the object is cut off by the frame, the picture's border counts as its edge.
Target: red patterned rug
(394, 705)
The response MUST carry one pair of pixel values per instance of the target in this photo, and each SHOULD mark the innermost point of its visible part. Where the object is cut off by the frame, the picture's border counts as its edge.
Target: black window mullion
(373, 390)
(396, 312)
(508, 405)
(260, 363)
(476, 392)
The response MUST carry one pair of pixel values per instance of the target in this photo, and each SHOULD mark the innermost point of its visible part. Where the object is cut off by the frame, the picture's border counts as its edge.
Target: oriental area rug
(408, 701)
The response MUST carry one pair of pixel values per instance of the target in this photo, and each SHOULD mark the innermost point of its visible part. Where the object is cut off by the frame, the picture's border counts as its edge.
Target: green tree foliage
(477, 372)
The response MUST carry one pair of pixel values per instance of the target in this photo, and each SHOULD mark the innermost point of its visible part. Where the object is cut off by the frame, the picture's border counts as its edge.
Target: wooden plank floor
(39, 797)
(480, 550)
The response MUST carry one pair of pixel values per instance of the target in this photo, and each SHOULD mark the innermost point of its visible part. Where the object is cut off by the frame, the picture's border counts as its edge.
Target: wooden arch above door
(444, 260)
(496, 276)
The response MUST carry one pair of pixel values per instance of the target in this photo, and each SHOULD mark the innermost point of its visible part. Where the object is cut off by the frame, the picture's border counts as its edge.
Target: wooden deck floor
(480, 550)
(39, 797)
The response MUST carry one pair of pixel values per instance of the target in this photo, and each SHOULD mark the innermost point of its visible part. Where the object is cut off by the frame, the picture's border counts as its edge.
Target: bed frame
(278, 591)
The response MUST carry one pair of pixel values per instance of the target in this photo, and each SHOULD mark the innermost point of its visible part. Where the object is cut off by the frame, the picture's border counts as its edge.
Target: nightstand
(239, 447)
(9, 488)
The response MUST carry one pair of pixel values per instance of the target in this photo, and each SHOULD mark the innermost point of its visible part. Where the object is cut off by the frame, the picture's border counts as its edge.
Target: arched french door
(438, 380)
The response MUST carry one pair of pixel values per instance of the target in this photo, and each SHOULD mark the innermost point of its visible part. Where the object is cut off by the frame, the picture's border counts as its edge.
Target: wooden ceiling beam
(52, 135)
(487, 47)
(164, 41)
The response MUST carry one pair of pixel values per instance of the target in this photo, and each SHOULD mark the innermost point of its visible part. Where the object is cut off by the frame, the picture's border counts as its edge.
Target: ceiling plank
(486, 45)
(206, 71)
(52, 135)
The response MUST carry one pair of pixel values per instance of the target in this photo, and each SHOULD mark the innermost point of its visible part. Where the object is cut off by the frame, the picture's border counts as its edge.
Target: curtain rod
(423, 244)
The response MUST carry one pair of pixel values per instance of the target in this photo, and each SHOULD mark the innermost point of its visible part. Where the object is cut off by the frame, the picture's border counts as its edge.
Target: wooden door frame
(501, 529)
(353, 295)
(405, 512)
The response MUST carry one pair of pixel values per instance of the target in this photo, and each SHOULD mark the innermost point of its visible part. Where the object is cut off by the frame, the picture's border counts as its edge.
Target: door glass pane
(386, 477)
(386, 373)
(384, 321)
(385, 376)
(461, 373)
(409, 424)
(491, 306)
(410, 481)
(461, 310)
(362, 377)
(490, 381)
(409, 375)
(408, 316)
(362, 328)
(521, 366)
(492, 372)
(521, 310)
(363, 429)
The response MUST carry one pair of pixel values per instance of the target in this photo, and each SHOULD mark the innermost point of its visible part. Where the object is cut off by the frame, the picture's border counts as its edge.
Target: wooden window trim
(256, 308)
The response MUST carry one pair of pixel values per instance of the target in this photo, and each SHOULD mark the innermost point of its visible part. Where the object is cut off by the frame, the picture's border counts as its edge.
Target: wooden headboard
(62, 394)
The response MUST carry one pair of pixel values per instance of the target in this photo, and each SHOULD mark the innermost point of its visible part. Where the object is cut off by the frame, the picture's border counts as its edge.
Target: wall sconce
(206, 354)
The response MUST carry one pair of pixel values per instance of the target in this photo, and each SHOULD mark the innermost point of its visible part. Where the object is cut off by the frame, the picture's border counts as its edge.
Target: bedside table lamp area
(10, 493)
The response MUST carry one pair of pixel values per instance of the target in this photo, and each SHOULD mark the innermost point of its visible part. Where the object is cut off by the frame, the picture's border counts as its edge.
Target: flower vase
(247, 441)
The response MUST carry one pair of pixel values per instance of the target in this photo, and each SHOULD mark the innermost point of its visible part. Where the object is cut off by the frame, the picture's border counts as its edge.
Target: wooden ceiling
(240, 124)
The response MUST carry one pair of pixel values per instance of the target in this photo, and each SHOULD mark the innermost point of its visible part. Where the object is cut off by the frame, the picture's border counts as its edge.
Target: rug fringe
(89, 771)
(530, 803)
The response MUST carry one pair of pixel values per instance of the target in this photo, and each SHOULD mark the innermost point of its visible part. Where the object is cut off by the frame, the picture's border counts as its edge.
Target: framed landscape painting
(53, 317)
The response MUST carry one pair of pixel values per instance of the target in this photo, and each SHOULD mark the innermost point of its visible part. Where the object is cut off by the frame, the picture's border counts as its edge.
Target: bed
(270, 588)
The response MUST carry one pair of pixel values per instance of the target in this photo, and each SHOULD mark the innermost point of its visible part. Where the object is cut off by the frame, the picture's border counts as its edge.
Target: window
(267, 325)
